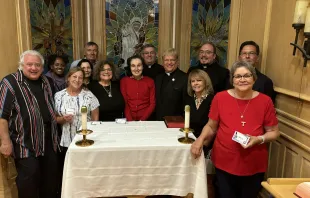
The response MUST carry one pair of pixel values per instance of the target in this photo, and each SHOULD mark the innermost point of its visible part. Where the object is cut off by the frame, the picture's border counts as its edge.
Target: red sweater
(230, 156)
(139, 96)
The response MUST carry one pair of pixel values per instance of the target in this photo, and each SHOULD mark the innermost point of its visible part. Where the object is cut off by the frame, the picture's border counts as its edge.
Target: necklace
(109, 92)
(200, 100)
(242, 113)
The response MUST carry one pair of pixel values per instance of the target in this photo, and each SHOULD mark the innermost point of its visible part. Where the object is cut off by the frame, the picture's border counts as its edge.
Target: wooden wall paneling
(275, 159)
(165, 31)
(305, 83)
(9, 49)
(305, 168)
(252, 22)
(290, 161)
(305, 110)
(79, 27)
(97, 26)
(288, 104)
(295, 128)
(281, 66)
(183, 32)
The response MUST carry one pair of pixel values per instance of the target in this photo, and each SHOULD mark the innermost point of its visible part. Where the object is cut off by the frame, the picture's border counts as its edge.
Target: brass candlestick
(84, 142)
(186, 129)
(186, 139)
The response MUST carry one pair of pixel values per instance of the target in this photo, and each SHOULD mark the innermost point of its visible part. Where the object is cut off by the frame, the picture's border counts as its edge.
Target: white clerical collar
(168, 74)
(149, 66)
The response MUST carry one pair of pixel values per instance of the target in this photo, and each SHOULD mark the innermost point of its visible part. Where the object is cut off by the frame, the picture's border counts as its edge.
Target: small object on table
(174, 121)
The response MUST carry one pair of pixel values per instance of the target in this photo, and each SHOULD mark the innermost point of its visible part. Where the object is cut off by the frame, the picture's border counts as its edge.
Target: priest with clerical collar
(170, 87)
(150, 68)
(208, 63)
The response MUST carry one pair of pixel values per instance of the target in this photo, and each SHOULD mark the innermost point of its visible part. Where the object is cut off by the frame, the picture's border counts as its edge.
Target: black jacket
(219, 76)
(170, 98)
(264, 85)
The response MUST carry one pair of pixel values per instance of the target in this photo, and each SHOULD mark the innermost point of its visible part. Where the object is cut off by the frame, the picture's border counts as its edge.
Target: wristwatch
(263, 139)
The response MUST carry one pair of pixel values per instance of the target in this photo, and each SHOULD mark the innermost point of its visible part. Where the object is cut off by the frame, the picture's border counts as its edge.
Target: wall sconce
(299, 18)
(302, 19)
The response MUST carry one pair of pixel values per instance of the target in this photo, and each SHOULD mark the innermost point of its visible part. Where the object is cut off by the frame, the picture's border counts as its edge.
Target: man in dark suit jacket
(207, 62)
(150, 67)
(170, 87)
(249, 52)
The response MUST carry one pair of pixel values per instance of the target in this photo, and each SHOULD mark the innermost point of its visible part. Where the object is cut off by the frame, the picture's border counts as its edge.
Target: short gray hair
(29, 52)
(239, 64)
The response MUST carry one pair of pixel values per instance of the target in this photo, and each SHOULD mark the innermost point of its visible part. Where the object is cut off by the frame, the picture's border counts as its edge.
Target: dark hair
(146, 46)
(52, 58)
(90, 43)
(128, 71)
(249, 43)
(85, 61)
(209, 43)
(99, 67)
(91, 66)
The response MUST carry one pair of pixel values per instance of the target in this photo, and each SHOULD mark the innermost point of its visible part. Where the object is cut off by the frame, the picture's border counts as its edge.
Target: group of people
(40, 114)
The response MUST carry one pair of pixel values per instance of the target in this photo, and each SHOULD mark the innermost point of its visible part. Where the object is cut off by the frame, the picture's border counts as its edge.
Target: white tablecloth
(137, 158)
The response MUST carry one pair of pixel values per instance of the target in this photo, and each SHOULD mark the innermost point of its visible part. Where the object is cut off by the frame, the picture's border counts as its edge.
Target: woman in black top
(200, 95)
(107, 90)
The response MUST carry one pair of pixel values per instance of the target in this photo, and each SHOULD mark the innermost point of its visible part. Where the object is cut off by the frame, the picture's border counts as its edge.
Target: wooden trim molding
(290, 139)
(293, 118)
(266, 37)
(294, 94)
(233, 38)
(23, 25)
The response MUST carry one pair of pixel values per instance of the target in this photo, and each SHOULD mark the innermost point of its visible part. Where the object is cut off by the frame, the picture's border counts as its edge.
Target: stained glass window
(210, 22)
(129, 25)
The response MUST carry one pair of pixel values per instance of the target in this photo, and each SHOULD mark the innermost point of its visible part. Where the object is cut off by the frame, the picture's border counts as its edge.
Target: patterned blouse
(66, 104)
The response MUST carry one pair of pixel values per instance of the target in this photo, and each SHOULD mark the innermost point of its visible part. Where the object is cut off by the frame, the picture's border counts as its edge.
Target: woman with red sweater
(240, 167)
(138, 91)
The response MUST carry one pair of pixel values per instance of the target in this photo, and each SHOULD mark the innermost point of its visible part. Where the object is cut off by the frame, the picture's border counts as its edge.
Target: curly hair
(99, 68)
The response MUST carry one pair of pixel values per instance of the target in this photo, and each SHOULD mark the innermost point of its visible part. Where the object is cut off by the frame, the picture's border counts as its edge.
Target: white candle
(300, 11)
(84, 117)
(307, 22)
(187, 116)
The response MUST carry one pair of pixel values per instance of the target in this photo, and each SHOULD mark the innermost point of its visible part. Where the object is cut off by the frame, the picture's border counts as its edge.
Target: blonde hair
(198, 73)
(170, 52)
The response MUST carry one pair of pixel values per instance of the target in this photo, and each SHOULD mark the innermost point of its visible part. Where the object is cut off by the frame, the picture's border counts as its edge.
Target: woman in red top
(138, 91)
(239, 168)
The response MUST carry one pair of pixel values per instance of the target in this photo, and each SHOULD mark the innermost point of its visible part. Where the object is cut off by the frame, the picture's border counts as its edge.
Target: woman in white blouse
(68, 103)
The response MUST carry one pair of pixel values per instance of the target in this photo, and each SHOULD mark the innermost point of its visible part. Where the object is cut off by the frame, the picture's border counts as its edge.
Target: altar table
(136, 158)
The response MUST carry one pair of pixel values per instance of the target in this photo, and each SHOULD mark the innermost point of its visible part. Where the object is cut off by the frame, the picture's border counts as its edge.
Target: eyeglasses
(248, 54)
(245, 76)
(201, 52)
(149, 53)
(35, 64)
